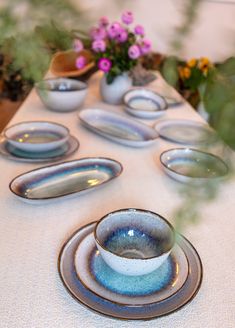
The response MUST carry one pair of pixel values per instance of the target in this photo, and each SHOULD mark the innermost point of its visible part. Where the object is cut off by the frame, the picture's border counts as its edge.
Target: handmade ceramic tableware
(158, 285)
(64, 179)
(191, 165)
(79, 292)
(13, 153)
(185, 131)
(144, 103)
(62, 94)
(133, 241)
(118, 128)
(37, 136)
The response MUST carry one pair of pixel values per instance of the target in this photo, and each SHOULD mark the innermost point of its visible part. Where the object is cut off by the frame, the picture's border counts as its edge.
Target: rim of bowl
(194, 151)
(39, 84)
(148, 90)
(136, 210)
(42, 122)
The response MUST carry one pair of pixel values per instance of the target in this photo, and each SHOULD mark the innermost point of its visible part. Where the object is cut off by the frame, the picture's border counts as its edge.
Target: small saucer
(156, 286)
(93, 301)
(14, 153)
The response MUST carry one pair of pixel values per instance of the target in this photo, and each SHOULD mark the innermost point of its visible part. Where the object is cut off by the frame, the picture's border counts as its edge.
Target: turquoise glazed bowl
(133, 241)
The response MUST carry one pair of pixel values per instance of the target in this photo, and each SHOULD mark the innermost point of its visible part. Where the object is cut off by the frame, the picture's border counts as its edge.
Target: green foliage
(170, 70)
(219, 101)
(33, 62)
(189, 17)
(48, 25)
(54, 37)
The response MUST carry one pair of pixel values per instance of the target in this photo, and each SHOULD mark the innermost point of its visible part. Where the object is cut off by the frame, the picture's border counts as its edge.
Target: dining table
(32, 294)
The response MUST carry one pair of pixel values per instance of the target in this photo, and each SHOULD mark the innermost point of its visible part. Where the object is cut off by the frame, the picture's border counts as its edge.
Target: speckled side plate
(118, 128)
(185, 131)
(65, 179)
(82, 294)
(156, 286)
(19, 155)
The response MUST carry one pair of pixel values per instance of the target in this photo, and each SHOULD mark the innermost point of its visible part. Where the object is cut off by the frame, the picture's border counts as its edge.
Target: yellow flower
(192, 62)
(186, 72)
(181, 72)
(205, 70)
(203, 62)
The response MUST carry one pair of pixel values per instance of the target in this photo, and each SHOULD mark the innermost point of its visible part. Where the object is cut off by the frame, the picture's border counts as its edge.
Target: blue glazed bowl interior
(135, 234)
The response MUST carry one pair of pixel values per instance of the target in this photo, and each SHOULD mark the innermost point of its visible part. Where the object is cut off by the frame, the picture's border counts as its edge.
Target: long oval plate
(118, 128)
(65, 179)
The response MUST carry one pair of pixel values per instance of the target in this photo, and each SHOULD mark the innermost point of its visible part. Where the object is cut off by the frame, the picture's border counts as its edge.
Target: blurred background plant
(31, 32)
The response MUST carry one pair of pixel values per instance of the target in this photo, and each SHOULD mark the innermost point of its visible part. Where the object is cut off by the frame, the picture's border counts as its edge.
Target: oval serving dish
(191, 165)
(118, 128)
(65, 179)
(36, 136)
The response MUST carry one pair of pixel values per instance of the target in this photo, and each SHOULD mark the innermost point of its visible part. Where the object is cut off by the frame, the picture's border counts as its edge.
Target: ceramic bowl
(134, 242)
(144, 103)
(192, 166)
(37, 136)
(61, 94)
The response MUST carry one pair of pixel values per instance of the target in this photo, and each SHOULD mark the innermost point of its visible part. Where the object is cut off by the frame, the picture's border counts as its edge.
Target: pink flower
(114, 29)
(139, 30)
(122, 36)
(104, 21)
(81, 61)
(134, 51)
(98, 33)
(104, 64)
(99, 45)
(127, 17)
(145, 46)
(77, 45)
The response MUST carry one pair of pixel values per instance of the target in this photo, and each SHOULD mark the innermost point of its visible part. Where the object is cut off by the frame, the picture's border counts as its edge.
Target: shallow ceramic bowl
(61, 94)
(192, 166)
(144, 103)
(37, 136)
(133, 241)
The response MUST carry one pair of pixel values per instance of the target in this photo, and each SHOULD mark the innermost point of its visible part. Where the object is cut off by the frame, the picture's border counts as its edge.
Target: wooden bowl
(63, 63)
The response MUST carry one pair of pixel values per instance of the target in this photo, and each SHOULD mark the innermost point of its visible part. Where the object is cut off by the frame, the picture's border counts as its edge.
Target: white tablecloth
(31, 236)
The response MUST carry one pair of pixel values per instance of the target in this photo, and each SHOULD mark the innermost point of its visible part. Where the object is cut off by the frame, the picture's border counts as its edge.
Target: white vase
(113, 93)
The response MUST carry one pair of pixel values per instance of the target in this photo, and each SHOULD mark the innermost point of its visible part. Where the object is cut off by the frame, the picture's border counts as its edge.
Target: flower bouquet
(116, 49)
(194, 73)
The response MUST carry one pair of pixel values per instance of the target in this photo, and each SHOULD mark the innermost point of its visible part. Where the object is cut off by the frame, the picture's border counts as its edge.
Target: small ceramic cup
(134, 241)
